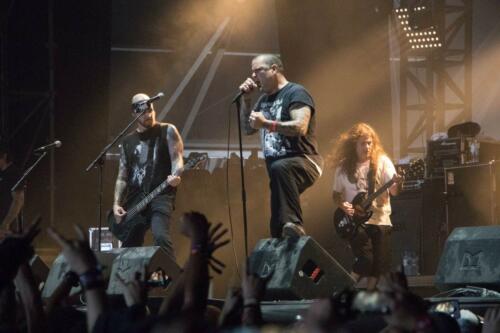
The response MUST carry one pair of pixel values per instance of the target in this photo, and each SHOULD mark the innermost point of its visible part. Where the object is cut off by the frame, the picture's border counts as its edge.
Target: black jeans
(288, 178)
(371, 247)
(158, 215)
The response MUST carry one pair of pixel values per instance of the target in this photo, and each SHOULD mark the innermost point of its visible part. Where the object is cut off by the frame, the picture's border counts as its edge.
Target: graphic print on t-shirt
(274, 144)
(139, 169)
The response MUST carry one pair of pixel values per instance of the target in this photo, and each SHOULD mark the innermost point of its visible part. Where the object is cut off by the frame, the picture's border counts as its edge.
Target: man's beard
(146, 123)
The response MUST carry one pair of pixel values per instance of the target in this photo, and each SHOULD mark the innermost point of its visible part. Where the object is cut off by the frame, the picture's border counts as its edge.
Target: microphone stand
(242, 174)
(21, 180)
(98, 163)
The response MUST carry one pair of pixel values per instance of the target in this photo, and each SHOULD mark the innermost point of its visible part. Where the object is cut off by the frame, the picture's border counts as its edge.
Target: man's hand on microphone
(248, 86)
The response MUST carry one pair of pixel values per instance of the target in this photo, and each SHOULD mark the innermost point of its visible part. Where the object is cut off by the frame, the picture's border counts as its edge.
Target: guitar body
(346, 226)
(122, 230)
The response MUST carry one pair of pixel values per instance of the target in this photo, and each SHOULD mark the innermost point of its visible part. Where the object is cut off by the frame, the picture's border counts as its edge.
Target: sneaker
(291, 229)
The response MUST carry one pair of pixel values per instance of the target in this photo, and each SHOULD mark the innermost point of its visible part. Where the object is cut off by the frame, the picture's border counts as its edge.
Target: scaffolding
(41, 101)
(435, 89)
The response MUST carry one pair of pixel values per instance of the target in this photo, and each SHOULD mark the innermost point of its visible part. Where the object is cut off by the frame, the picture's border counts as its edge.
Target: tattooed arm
(246, 109)
(120, 187)
(176, 150)
(301, 115)
(298, 126)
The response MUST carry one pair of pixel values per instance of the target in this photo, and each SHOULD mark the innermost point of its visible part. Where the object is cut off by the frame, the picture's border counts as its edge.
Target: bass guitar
(136, 203)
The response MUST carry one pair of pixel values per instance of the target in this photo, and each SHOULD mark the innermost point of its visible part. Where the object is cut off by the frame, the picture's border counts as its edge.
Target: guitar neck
(160, 188)
(375, 194)
(147, 199)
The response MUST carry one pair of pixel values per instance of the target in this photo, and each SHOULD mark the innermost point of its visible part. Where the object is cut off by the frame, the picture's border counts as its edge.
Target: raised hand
(16, 249)
(195, 226)
(204, 237)
(77, 252)
(253, 286)
(214, 236)
(134, 291)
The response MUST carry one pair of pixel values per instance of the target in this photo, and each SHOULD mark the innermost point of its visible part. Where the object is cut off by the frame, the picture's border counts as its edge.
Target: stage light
(417, 23)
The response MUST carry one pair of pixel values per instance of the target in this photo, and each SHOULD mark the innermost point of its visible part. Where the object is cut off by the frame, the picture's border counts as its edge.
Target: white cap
(139, 98)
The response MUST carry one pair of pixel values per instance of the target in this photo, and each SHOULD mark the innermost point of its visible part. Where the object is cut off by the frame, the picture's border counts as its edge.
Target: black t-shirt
(147, 158)
(8, 178)
(277, 107)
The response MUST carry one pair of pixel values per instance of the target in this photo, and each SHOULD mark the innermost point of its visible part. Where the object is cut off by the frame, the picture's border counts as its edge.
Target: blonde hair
(344, 152)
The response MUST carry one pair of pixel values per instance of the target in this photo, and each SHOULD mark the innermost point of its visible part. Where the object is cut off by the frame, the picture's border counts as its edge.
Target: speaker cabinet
(297, 269)
(406, 219)
(472, 197)
(470, 258)
(133, 259)
(60, 267)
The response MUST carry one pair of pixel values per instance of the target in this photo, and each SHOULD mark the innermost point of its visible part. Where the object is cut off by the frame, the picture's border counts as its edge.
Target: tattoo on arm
(176, 149)
(246, 108)
(338, 198)
(121, 182)
(299, 124)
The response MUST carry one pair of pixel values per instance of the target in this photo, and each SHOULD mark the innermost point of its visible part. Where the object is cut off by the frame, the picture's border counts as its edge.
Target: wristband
(92, 279)
(274, 125)
(197, 248)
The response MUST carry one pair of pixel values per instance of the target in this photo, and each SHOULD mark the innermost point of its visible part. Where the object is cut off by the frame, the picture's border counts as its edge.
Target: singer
(285, 116)
(149, 156)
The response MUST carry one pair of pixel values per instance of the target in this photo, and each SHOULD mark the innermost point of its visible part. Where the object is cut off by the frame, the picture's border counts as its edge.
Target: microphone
(237, 97)
(154, 98)
(55, 144)
(144, 104)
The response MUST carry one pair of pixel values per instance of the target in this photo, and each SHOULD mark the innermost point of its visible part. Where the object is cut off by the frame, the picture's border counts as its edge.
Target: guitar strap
(151, 165)
(371, 178)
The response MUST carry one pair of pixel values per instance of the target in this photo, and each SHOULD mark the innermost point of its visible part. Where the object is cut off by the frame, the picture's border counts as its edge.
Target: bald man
(285, 116)
(149, 156)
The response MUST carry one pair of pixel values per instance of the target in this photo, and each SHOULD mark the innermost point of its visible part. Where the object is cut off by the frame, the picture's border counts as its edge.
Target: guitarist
(359, 160)
(149, 155)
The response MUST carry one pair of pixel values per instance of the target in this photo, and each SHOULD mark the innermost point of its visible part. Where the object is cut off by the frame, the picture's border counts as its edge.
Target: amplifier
(472, 196)
(442, 154)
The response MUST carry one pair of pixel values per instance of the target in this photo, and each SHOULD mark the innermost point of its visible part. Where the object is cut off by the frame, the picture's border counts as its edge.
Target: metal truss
(435, 84)
(41, 102)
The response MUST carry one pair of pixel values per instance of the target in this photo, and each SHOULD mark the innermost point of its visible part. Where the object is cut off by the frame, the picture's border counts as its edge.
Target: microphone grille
(58, 143)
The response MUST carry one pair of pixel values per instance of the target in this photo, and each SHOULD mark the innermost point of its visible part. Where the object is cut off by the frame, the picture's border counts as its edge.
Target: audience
(186, 308)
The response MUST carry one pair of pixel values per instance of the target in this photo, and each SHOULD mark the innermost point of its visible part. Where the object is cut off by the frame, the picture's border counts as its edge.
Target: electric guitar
(138, 202)
(346, 226)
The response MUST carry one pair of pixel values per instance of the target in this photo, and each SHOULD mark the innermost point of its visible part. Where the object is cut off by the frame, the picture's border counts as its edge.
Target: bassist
(149, 156)
(361, 165)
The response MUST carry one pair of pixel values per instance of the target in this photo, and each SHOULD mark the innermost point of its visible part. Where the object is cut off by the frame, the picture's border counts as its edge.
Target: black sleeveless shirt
(146, 157)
